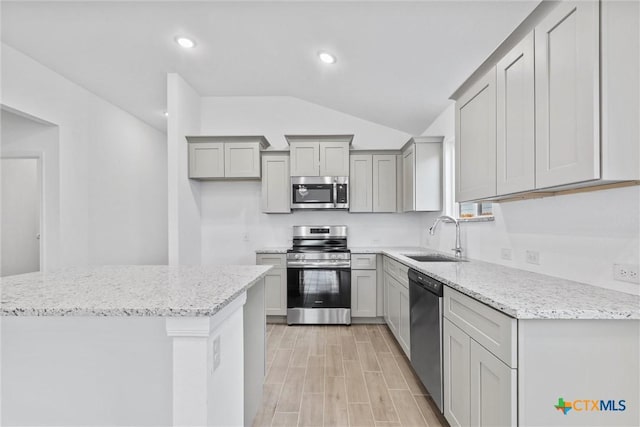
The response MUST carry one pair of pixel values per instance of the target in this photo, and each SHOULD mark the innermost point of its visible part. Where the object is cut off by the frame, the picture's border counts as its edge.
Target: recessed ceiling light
(326, 57)
(185, 42)
(166, 114)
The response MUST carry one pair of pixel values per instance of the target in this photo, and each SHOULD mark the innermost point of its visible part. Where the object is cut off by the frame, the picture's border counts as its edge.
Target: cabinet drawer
(495, 331)
(363, 261)
(398, 270)
(279, 260)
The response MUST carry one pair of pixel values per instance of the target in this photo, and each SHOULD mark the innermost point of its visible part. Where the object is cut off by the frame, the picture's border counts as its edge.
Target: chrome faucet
(447, 218)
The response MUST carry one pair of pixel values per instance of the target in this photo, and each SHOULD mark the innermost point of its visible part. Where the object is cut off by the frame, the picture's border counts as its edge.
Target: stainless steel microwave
(320, 192)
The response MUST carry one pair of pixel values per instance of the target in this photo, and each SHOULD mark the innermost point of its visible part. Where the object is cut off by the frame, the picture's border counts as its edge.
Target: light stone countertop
(159, 290)
(519, 293)
(273, 250)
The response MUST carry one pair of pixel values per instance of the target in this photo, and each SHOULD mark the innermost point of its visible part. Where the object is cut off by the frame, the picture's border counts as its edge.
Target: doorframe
(39, 156)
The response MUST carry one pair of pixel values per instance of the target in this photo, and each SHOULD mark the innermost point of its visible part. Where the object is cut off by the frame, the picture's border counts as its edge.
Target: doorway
(20, 215)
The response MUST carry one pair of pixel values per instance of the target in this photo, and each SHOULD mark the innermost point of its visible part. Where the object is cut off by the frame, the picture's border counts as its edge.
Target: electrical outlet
(505, 253)
(216, 352)
(533, 257)
(626, 273)
(245, 237)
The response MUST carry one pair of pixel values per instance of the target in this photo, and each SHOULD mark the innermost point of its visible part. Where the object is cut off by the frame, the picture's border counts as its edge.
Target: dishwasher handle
(428, 283)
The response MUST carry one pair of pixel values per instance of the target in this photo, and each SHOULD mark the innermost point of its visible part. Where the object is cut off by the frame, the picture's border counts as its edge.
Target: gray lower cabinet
(480, 388)
(276, 183)
(396, 307)
(364, 285)
(457, 377)
(493, 389)
(275, 283)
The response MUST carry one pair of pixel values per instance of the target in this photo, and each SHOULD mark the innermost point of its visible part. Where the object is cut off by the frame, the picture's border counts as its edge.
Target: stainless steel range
(319, 276)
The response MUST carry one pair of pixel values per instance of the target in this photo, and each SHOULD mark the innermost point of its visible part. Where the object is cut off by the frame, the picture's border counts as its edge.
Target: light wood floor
(341, 376)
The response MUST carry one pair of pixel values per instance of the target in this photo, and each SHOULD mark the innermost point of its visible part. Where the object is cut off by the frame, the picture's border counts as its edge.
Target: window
(475, 210)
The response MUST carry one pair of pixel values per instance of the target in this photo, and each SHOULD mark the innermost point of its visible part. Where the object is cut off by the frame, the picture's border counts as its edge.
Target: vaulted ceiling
(398, 61)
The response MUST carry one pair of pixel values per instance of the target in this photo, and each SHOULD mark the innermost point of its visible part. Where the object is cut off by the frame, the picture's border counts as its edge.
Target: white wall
(579, 237)
(232, 224)
(183, 105)
(112, 168)
(276, 116)
(86, 371)
(231, 214)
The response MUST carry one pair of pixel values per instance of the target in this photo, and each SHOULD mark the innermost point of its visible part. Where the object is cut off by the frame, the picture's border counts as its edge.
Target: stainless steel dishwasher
(425, 315)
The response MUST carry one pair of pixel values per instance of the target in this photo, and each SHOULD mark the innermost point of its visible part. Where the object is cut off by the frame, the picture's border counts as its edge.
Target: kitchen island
(133, 345)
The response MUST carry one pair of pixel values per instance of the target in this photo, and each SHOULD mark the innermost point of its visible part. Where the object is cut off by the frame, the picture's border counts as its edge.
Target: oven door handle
(318, 265)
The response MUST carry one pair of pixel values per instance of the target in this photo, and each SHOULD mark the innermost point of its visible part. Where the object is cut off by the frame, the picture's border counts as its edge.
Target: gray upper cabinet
(360, 183)
(305, 158)
(408, 179)
(218, 157)
(384, 182)
(276, 183)
(567, 95)
(515, 119)
(241, 160)
(476, 140)
(334, 158)
(422, 174)
(319, 155)
(567, 102)
(206, 160)
(372, 183)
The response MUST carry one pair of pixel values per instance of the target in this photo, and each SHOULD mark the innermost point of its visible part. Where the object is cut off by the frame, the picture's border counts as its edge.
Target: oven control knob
(334, 256)
(297, 256)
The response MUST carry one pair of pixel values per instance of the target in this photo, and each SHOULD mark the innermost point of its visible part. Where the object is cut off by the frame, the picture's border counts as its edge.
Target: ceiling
(398, 61)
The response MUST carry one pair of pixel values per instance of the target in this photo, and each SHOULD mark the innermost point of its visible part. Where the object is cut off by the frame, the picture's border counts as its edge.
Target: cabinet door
(334, 158)
(408, 179)
(393, 305)
(275, 284)
(476, 140)
(241, 160)
(276, 184)
(567, 95)
(515, 100)
(404, 323)
(384, 182)
(493, 389)
(360, 180)
(457, 358)
(305, 156)
(363, 293)
(276, 292)
(385, 300)
(206, 160)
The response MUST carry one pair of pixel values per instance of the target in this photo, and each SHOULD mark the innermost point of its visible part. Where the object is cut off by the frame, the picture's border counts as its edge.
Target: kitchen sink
(433, 258)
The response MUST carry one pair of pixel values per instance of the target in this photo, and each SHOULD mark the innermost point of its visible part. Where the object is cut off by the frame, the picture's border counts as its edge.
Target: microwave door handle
(335, 195)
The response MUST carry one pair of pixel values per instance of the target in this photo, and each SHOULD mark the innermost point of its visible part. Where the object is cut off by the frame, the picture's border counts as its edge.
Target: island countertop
(158, 290)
